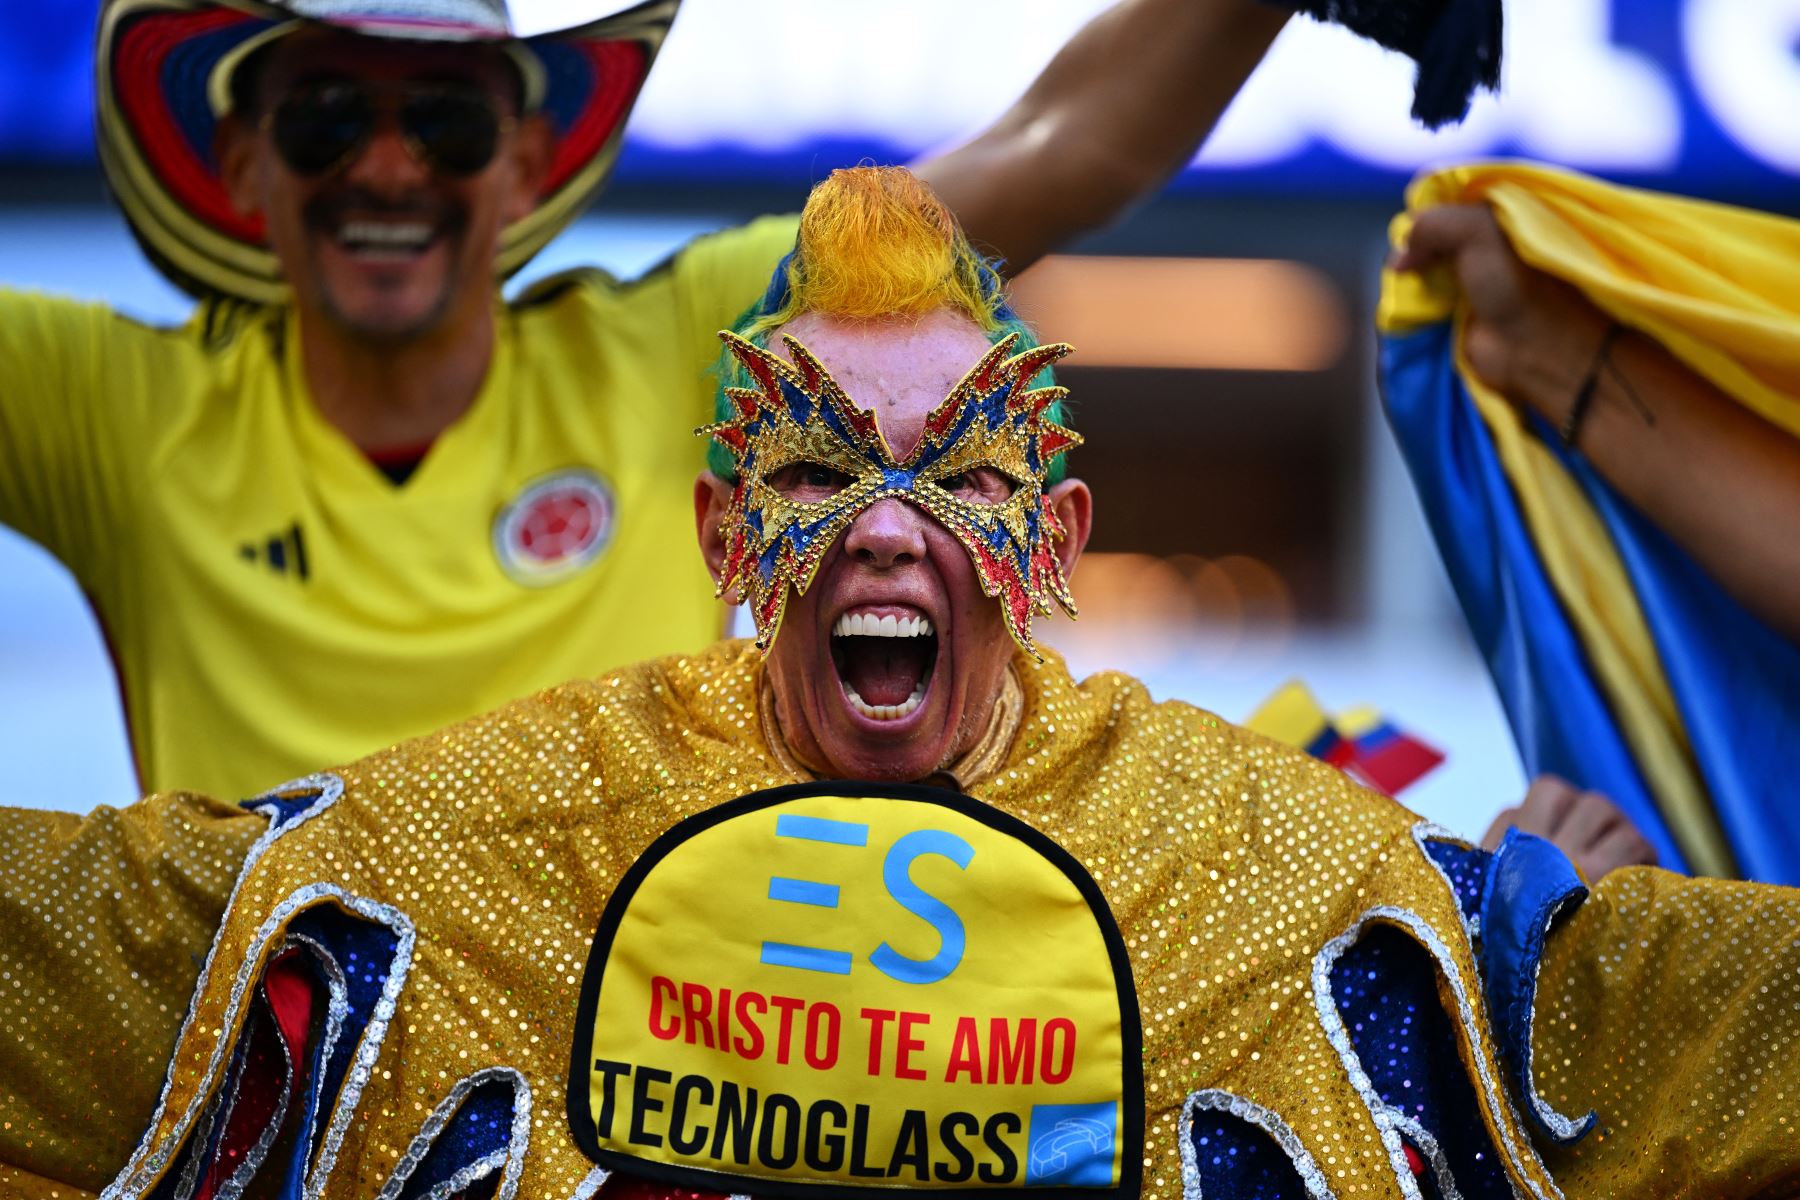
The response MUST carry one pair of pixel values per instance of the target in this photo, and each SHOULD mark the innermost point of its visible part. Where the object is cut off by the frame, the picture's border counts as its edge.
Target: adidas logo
(284, 552)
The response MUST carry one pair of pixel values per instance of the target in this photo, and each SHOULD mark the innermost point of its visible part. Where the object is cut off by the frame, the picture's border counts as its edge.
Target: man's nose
(386, 163)
(888, 533)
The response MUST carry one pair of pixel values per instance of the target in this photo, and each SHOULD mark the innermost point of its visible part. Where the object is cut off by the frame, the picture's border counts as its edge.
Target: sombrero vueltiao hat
(164, 80)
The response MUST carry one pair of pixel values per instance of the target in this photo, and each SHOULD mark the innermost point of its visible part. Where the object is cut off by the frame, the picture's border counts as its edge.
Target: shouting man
(882, 900)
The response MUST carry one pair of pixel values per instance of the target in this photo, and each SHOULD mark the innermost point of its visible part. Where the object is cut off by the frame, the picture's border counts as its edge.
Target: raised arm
(1721, 481)
(1121, 108)
(71, 443)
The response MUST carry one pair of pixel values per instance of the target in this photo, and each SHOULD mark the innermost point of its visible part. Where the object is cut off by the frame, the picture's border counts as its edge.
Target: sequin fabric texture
(103, 926)
(1692, 1061)
(1249, 882)
(797, 413)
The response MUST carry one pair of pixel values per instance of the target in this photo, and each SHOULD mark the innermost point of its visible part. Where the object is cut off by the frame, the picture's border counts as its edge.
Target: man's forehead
(899, 368)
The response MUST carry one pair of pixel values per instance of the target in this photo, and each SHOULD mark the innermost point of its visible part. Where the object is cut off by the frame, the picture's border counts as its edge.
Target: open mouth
(385, 241)
(884, 661)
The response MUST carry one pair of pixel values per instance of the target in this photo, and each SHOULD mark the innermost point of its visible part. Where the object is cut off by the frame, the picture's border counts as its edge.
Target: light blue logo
(1072, 1144)
(922, 904)
(896, 876)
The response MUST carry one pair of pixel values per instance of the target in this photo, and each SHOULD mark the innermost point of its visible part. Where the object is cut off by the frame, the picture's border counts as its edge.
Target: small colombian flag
(1359, 741)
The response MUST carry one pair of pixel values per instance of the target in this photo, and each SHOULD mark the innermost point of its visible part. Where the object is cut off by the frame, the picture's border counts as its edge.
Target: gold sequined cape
(1232, 865)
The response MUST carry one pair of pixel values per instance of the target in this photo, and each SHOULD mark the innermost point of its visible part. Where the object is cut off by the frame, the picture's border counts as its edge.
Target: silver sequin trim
(137, 1182)
(513, 1156)
(221, 1109)
(337, 1010)
(189, 1182)
(1563, 1129)
(234, 1187)
(590, 1184)
(375, 1033)
(337, 1007)
(1213, 1099)
(1425, 831)
(145, 1164)
(1499, 1100)
(1434, 1154)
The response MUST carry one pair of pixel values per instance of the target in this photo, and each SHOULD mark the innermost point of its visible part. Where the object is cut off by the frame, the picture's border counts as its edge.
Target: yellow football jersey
(274, 602)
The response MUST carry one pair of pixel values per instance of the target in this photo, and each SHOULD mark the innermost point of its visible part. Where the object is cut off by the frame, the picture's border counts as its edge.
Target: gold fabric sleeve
(1666, 1005)
(105, 921)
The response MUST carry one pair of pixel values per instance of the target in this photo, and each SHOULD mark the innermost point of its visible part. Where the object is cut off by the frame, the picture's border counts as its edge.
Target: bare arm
(1720, 480)
(1122, 107)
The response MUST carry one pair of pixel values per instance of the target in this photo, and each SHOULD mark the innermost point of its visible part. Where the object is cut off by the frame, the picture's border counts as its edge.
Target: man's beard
(325, 214)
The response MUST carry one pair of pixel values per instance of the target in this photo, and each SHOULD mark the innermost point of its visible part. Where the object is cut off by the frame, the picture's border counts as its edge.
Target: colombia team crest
(556, 526)
(839, 989)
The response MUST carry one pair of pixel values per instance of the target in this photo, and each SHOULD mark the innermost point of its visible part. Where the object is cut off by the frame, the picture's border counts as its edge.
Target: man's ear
(712, 497)
(1073, 505)
(532, 144)
(234, 147)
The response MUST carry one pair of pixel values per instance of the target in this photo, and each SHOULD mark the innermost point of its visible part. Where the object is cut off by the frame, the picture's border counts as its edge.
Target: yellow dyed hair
(877, 242)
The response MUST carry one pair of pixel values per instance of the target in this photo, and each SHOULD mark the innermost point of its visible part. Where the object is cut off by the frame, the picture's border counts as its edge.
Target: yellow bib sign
(842, 989)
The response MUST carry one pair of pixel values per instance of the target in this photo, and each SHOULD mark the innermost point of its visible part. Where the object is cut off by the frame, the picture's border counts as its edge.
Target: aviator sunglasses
(321, 127)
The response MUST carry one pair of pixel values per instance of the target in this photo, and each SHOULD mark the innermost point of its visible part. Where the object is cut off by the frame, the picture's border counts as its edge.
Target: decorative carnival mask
(798, 413)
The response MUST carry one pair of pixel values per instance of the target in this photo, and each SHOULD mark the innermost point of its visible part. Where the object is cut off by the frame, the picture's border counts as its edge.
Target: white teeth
(860, 625)
(407, 235)
(886, 712)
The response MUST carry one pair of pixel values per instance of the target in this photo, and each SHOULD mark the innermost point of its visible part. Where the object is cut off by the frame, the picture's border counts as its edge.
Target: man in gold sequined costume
(628, 939)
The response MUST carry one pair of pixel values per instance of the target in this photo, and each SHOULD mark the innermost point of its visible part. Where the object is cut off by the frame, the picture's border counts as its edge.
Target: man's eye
(983, 485)
(809, 481)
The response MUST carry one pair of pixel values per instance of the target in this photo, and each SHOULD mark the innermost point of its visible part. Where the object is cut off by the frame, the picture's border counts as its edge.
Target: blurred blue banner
(1695, 96)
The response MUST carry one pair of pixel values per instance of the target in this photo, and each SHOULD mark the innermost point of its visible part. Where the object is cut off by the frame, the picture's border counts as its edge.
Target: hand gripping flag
(1621, 663)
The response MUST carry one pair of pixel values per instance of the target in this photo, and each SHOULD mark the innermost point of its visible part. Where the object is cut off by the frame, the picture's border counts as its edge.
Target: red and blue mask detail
(795, 413)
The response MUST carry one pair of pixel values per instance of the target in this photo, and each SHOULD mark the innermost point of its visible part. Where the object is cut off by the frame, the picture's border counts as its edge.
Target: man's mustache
(328, 210)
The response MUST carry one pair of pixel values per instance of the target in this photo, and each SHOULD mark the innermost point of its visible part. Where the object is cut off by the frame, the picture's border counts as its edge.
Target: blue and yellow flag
(1621, 663)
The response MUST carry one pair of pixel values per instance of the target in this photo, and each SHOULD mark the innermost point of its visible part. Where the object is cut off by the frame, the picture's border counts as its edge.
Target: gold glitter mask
(797, 413)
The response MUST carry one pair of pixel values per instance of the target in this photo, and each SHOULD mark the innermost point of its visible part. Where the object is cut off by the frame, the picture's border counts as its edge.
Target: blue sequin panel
(482, 1124)
(1238, 1160)
(286, 808)
(1467, 869)
(1385, 988)
(364, 952)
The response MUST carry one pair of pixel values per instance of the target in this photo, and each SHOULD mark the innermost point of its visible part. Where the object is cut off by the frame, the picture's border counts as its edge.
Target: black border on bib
(1131, 1037)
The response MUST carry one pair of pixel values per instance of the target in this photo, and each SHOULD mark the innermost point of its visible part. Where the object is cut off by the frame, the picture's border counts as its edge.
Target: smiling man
(387, 238)
(359, 495)
(882, 900)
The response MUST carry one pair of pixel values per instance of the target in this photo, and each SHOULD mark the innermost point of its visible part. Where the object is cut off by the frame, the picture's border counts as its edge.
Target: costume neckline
(979, 763)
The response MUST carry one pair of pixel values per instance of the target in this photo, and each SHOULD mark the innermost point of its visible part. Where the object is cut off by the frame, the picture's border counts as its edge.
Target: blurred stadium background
(1255, 524)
